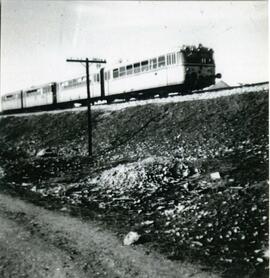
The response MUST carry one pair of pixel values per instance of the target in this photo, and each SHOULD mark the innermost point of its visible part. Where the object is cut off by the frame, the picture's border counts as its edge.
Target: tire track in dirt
(23, 254)
(35, 242)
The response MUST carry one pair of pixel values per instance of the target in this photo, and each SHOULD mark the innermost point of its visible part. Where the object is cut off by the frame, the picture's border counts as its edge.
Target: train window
(31, 92)
(169, 59)
(161, 61)
(105, 75)
(129, 69)
(97, 77)
(137, 67)
(9, 97)
(72, 82)
(153, 63)
(179, 60)
(122, 71)
(80, 80)
(173, 58)
(144, 65)
(204, 60)
(115, 73)
(46, 90)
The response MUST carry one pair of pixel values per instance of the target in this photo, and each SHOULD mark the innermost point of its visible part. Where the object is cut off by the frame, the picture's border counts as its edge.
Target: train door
(173, 75)
(107, 88)
(102, 91)
(21, 97)
(54, 96)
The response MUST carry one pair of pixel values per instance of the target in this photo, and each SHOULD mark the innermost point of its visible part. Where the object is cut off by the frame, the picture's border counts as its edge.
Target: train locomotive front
(199, 67)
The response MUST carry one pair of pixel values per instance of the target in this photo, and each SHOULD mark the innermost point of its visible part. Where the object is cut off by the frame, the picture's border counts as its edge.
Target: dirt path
(35, 242)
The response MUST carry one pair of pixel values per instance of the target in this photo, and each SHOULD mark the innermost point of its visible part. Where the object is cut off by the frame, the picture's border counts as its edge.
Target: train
(182, 70)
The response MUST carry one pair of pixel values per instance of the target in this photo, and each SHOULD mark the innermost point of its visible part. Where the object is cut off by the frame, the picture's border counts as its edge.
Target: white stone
(266, 253)
(64, 209)
(2, 172)
(131, 237)
(215, 176)
(147, 222)
(41, 152)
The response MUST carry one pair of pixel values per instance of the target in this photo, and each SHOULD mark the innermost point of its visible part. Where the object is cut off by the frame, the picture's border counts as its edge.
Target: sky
(38, 36)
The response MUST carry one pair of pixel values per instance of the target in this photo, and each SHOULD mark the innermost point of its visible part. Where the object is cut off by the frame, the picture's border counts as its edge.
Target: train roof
(11, 93)
(184, 48)
(39, 86)
(112, 65)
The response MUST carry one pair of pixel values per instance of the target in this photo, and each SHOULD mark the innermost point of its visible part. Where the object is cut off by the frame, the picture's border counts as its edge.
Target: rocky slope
(188, 176)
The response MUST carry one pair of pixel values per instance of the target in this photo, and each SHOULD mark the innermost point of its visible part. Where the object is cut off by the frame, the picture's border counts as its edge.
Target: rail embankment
(189, 177)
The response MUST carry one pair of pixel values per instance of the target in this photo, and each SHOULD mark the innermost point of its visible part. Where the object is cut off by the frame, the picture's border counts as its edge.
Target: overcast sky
(38, 36)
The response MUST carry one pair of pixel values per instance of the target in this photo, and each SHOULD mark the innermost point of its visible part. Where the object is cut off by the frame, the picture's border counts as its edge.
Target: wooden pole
(89, 115)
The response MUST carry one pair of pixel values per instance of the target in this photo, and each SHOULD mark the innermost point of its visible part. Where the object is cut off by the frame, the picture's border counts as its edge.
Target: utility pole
(89, 116)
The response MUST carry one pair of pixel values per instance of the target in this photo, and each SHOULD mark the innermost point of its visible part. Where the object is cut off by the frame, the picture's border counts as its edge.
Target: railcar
(40, 96)
(182, 71)
(12, 101)
(74, 90)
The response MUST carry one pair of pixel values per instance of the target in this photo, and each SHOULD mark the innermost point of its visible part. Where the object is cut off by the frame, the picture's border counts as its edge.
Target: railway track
(170, 97)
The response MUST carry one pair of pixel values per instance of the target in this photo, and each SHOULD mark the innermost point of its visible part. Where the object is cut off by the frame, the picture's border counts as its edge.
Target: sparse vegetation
(151, 173)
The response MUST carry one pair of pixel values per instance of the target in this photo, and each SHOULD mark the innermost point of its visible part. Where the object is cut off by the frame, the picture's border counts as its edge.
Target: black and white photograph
(134, 139)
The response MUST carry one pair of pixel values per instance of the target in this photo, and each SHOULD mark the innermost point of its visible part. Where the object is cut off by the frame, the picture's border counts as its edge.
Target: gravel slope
(153, 164)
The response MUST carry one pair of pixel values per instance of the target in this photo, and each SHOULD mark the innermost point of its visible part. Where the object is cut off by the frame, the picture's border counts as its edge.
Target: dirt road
(35, 242)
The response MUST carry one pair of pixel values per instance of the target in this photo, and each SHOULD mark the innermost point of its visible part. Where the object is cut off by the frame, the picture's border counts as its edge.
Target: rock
(215, 176)
(180, 169)
(25, 184)
(101, 205)
(266, 253)
(147, 222)
(41, 153)
(64, 209)
(186, 173)
(219, 85)
(131, 238)
(45, 153)
(2, 172)
(34, 189)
